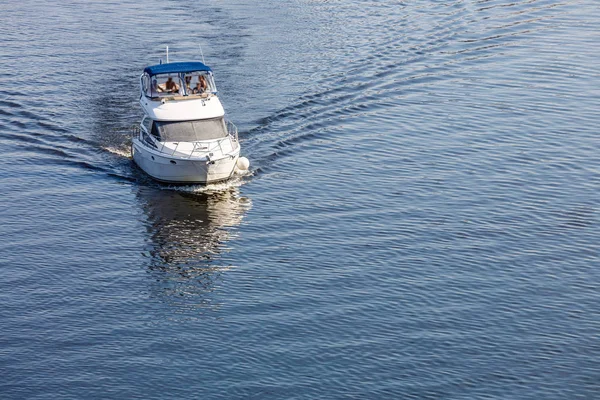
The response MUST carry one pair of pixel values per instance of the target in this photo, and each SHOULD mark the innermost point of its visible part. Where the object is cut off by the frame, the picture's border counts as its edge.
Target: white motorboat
(184, 137)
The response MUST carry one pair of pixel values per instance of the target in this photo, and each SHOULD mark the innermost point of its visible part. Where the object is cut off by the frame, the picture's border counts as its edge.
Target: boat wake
(237, 180)
(121, 152)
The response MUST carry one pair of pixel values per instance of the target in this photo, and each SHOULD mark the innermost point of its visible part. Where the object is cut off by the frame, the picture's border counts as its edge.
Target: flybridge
(183, 79)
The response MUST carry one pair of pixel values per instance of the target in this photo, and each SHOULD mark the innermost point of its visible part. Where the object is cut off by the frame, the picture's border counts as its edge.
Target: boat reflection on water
(188, 235)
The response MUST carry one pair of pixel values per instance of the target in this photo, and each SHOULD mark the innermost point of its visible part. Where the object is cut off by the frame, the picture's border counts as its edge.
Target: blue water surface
(421, 220)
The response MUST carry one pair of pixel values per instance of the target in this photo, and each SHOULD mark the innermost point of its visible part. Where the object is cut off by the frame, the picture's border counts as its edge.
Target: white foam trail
(236, 181)
(119, 152)
(242, 172)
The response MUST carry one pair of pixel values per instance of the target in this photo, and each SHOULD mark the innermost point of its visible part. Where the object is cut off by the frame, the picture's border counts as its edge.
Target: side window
(147, 123)
(145, 84)
(211, 83)
(154, 132)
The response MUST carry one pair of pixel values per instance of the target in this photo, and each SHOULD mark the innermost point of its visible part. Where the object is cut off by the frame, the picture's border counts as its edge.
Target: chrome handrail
(192, 152)
(232, 133)
(232, 130)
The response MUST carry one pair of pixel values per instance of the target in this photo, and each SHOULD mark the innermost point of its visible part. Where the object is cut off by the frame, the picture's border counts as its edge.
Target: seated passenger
(201, 86)
(154, 88)
(188, 81)
(171, 86)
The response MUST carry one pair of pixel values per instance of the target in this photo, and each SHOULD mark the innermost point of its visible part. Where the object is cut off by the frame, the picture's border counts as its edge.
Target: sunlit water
(421, 219)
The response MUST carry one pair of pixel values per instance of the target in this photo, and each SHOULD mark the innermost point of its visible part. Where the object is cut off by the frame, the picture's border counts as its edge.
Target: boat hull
(182, 170)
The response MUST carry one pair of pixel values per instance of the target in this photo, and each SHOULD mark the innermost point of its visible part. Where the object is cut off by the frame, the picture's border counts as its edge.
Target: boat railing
(232, 130)
(198, 146)
(232, 135)
(135, 131)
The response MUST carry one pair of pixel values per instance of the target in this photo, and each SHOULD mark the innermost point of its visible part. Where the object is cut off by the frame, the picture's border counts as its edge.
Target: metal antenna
(202, 54)
(167, 54)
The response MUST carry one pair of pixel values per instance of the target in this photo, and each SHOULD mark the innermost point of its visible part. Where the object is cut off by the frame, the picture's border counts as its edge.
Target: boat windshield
(191, 131)
(184, 84)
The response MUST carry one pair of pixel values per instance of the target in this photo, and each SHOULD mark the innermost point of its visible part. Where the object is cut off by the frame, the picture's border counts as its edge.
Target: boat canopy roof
(176, 67)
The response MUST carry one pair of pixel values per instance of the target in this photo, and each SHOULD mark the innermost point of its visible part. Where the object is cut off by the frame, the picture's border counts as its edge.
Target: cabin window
(154, 132)
(192, 131)
(147, 124)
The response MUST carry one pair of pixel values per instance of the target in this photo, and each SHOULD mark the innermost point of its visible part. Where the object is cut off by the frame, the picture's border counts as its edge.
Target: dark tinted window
(154, 131)
(191, 131)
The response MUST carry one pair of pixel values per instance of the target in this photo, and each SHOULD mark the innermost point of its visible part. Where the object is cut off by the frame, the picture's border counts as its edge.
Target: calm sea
(422, 220)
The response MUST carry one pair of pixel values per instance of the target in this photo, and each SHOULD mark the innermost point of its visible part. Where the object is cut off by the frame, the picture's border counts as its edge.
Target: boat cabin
(177, 79)
(189, 138)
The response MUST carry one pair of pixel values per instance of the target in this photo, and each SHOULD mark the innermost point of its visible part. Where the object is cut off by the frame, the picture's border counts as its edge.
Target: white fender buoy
(243, 164)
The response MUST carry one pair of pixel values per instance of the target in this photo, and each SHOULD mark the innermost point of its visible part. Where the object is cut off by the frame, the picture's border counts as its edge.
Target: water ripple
(421, 220)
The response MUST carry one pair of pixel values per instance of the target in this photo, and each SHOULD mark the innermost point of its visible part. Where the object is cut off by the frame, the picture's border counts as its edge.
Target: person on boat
(201, 86)
(204, 83)
(154, 88)
(188, 82)
(171, 86)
